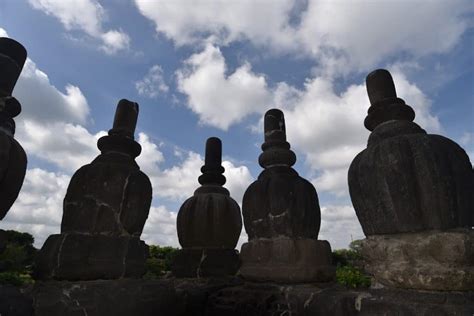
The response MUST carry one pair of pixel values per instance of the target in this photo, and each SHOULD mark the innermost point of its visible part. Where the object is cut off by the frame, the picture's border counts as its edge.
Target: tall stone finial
(408, 181)
(276, 150)
(12, 156)
(282, 217)
(208, 223)
(212, 171)
(385, 105)
(105, 208)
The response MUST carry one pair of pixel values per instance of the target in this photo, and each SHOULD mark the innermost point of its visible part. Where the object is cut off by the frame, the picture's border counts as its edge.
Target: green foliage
(15, 278)
(351, 277)
(345, 257)
(159, 261)
(348, 263)
(17, 258)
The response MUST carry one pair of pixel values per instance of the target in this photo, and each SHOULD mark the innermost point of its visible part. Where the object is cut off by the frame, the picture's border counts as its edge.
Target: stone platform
(287, 260)
(198, 263)
(91, 257)
(226, 297)
(427, 261)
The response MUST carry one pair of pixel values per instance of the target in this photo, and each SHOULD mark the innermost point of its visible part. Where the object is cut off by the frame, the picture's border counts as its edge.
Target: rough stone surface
(287, 260)
(308, 300)
(208, 223)
(280, 202)
(197, 263)
(12, 156)
(14, 302)
(282, 217)
(407, 180)
(429, 260)
(103, 298)
(105, 208)
(91, 257)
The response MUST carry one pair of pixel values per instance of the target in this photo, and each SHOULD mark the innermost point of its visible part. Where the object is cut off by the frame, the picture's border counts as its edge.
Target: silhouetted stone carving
(208, 223)
(282, 217)
(407, 180)
(105, 209)
(413, 195)
(12, 156)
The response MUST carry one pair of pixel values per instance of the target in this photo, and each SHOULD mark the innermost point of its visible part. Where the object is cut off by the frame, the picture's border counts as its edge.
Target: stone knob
(125, 119)
(380, 86)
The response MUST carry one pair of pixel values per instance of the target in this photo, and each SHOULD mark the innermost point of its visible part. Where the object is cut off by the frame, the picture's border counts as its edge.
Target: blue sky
(212, 68)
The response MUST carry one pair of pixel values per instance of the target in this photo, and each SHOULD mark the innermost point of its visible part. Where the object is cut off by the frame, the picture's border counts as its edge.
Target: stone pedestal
(91, 257)
(441, 261)
(282, 217)
(287, 260)
(105, 208)
(209, 224)
(197, 263)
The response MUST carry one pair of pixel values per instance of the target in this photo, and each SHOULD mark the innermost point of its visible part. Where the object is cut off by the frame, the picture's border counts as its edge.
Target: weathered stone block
(287, 260)
(111, 297)
(91, 257)
(196, 263)
(442, 261)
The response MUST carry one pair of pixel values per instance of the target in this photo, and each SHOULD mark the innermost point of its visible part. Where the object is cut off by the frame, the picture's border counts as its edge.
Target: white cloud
(66, 145)
(339, 225)
(87, 16)
(219, 99)
(341, 36)
(44, 103)
(223, 21)
(160, 227)
(38, 209)
(153, 84)
(3, 33)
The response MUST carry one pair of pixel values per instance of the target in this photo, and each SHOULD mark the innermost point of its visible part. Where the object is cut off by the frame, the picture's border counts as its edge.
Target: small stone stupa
(105, 208)
(282, 217)
(209, 223)
(12, 156)
(413, 193)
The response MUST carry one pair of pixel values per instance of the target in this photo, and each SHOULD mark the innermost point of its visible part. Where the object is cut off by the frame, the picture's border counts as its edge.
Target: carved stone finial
(12, 156)
(125, 119)
(282, 217)
(212, 171)
(209, 223)
(105, 209)
(385, 105)
(276, 150)
(121, 136)
(410, 190)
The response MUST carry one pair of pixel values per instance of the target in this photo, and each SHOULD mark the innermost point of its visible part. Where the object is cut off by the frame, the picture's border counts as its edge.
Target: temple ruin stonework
(412, 192)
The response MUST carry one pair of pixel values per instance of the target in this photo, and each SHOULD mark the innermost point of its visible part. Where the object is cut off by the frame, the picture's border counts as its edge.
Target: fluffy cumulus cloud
(341, 36)
(44, 103)
(218, 98)
(86, 16)
(188, 23)
(38, 209)
(339, 225)
(153, 84)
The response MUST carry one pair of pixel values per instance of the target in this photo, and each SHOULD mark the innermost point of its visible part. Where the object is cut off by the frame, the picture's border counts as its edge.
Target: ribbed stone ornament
(413, 195)
(407, 180)
(12, 156)
(105, 208)
(282, 217)
(209, 223)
